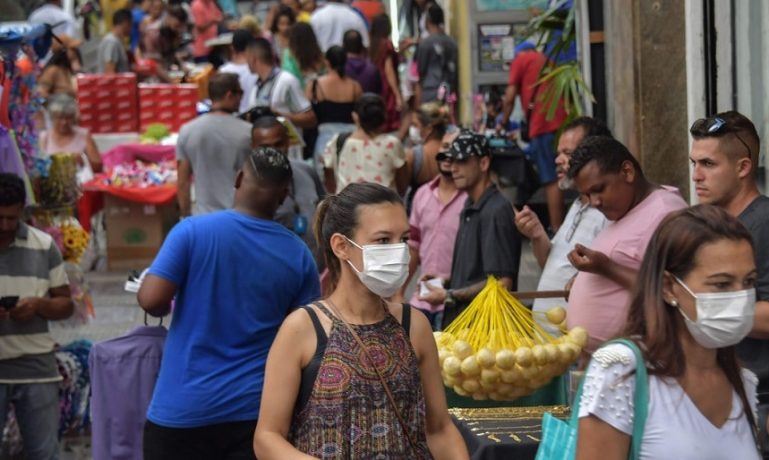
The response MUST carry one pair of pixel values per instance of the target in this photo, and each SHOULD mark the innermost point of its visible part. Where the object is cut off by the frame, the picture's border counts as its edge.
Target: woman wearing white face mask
(694, 300)
(355, 376)
(429, 123)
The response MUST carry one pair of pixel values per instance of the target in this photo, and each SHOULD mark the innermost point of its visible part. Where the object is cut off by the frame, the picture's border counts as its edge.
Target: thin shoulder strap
(325, 311)
(315, 90)
(319, 331)
(406, 319)
(340, 140)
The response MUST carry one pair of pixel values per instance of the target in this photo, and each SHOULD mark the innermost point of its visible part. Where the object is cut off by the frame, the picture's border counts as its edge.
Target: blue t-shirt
(137, 14)
(237, 278)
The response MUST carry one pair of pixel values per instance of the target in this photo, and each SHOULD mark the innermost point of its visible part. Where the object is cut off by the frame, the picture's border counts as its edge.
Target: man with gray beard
(581, 225)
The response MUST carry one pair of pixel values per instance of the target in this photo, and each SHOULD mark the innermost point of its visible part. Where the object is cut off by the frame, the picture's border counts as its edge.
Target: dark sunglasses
(715, 125)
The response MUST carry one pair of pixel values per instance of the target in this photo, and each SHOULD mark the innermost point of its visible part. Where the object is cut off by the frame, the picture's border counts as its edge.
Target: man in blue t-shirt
(235, 275)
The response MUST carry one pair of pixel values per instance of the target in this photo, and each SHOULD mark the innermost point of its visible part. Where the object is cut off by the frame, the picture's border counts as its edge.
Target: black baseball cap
(464, 146)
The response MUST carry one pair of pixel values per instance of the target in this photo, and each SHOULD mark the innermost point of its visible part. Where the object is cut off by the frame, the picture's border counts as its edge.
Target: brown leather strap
(381, 377)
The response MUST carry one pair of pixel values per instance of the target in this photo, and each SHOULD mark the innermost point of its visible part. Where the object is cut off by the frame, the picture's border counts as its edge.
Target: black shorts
(223, 441)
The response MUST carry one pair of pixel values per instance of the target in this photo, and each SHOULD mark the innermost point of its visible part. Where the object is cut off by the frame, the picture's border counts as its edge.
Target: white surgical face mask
(415, 135)
(385, 267)
(723, 318)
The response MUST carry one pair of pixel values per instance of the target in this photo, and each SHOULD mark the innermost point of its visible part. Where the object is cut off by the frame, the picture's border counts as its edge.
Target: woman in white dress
(694, 301)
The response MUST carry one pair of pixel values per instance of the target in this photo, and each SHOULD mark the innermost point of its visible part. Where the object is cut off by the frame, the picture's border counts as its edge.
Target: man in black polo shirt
(487, 241)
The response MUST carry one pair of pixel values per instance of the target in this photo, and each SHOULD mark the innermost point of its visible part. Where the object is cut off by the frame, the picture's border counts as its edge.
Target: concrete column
(646, 85)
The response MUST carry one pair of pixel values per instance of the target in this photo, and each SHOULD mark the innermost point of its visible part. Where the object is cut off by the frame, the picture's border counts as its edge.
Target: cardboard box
(100, 127)
(108, 103)
(135, 232)
(125, 127)
(170, 104)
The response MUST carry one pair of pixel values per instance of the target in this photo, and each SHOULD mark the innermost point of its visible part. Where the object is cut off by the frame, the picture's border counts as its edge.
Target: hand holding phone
(9, 302)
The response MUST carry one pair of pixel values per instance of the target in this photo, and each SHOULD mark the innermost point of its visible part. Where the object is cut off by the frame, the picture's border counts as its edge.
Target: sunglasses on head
(715, 125)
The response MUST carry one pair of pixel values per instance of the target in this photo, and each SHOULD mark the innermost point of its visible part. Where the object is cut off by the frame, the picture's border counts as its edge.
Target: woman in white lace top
(694, 300)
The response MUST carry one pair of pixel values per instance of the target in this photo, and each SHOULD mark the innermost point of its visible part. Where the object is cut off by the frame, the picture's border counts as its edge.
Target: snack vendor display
(496, 350)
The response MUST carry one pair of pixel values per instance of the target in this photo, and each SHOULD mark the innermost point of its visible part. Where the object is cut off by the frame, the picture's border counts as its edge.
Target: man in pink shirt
(434, 223)
(606, 172)
(206, 17)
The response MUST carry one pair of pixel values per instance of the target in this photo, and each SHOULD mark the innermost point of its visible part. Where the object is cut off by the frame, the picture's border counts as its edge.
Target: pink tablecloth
(93, 200)
(128, 153)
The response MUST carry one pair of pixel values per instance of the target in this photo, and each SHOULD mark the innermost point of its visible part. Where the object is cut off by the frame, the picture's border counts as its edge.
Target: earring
(673, 303)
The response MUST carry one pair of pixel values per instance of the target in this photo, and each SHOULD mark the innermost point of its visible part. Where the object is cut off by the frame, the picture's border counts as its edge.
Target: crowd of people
(292, 335)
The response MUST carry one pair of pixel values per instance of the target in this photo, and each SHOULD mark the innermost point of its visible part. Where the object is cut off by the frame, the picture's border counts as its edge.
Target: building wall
(646, 85)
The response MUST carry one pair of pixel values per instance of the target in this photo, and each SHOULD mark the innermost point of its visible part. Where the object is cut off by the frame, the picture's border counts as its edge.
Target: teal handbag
(559, 439)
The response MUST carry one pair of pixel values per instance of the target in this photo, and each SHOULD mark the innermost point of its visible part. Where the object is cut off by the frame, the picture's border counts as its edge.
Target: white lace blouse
(675, 428)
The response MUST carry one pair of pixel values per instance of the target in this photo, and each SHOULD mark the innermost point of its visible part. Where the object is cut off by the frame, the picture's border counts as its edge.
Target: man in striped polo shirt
(34, 289)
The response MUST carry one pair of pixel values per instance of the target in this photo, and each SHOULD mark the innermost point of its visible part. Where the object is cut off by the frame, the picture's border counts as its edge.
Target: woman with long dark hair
(280, 28)
(693, 302)
(383, 55)
(333, 99)
(355, 376)
(303, 58)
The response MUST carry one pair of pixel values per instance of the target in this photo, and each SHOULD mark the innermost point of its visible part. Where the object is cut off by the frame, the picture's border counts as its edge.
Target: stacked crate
(170, 104)
(108, 103)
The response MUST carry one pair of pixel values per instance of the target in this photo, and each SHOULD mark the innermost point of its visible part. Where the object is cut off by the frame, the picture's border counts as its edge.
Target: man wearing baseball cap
(487, 240)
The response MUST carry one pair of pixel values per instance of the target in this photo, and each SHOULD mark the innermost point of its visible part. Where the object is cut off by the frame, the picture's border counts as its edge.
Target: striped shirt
(29, 267)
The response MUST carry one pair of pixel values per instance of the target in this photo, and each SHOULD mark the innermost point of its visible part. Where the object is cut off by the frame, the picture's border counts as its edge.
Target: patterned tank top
(348, 414)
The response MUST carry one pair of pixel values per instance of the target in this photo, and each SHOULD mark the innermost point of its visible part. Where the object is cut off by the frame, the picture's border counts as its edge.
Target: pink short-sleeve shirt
(599, 304)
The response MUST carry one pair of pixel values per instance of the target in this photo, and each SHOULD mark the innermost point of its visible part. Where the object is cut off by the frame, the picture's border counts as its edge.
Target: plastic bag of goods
(496, 350)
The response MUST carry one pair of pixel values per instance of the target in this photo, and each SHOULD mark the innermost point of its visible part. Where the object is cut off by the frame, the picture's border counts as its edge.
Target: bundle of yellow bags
(496, 349)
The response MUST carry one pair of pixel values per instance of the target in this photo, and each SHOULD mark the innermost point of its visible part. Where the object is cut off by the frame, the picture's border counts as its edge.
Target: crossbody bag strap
(640, 399)
(533, 100)
(378, 373)
(341, 138)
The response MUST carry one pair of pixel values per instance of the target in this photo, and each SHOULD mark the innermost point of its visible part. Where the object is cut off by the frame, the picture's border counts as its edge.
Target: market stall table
(503, 432)
(140, 203)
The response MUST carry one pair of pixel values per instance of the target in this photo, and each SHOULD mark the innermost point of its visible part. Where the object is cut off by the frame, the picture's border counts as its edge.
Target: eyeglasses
(577, 220)
(714, 126)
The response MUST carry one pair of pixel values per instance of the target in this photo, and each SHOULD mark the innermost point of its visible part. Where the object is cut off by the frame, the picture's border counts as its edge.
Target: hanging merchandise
(51, 181)
(495, 349)
(75, 387)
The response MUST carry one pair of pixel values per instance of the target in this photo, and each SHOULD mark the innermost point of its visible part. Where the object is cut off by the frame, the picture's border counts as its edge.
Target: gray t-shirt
(216, 145)
(306, 192)
(754, 353)
(436, 59)
(111, 50)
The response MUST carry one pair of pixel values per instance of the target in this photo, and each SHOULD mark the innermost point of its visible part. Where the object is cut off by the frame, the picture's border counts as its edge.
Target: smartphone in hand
(9, 302)
(434, 282)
